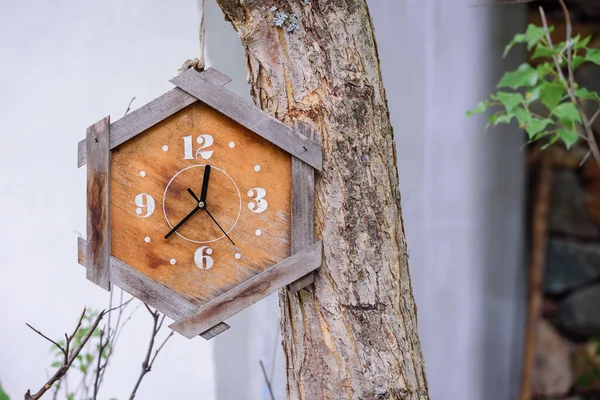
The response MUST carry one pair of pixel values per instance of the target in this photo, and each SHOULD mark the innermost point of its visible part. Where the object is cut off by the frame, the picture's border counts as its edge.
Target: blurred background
(65, 64)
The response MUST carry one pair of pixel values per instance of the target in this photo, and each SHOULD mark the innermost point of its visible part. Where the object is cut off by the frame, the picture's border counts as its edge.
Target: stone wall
(567, 362)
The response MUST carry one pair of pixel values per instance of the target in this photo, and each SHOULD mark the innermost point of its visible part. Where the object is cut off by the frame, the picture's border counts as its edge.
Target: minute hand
(204, 189)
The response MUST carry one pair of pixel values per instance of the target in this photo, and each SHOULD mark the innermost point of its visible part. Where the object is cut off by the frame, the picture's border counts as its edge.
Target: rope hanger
(200, 62)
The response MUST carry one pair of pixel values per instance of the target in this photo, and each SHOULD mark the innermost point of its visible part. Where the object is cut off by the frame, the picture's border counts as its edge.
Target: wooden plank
(303, 209)
(149, 291)
(150, 114)
(98, 203)
(250, 292)
(251, 117)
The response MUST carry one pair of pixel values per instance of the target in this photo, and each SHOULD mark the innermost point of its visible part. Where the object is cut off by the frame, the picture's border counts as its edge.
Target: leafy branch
(558, 92)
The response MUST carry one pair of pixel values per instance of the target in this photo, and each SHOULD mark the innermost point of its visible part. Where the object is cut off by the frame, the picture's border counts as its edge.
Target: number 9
(144, 202)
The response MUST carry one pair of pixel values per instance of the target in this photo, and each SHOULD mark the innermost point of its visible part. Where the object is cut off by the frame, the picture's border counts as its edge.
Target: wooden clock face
(242, 226)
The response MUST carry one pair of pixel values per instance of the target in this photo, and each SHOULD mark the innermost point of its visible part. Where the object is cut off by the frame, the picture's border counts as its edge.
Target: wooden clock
(199, 204)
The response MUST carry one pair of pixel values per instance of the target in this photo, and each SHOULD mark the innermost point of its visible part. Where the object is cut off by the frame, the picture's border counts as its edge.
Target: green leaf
(481, 107)
(89, 358)
(523, 116)
(534, 34)
(552, 140)
(56, 364)
(568, 136)
(525, 75)
(510, 100)
(580, 44)
(504, 119)
(83, 368)
(533, 94)
(551, 94)
(541, 50)
(593, 55)
(3, 395)
(577, 61)
(519, 38)
(544, 69)
(567, 112)
(585, 94)
(536, 125)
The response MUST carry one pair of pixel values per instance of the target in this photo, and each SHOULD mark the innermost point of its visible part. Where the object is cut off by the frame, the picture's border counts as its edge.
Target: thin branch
(160, 347)
(99, 366)
(262, 366)
(62, 370)
(584, 159)
(146, 362)
(62, 349)
(113, 336)
(593, 119)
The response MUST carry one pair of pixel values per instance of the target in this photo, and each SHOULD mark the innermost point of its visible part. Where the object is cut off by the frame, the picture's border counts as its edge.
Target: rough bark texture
(354, 334)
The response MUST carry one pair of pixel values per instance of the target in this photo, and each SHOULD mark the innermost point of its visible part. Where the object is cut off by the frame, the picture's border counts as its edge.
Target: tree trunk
(354, 334)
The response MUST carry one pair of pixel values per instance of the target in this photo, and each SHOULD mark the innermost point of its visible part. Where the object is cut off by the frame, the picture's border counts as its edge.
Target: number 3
(259, 204)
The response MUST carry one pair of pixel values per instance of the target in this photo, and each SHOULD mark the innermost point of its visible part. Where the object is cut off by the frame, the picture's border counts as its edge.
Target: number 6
(203, 259)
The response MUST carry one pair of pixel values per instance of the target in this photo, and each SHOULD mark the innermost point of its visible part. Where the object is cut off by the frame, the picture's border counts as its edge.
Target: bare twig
(100, 366)
(570, 82)
(539, 234)
(262, 366)
(70, 358)
(593, 119)
(149, 360)
(62, 349)
(160, 347)
(111, 339)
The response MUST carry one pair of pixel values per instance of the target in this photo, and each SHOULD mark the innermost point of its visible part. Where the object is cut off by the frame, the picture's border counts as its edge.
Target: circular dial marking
(223, 204)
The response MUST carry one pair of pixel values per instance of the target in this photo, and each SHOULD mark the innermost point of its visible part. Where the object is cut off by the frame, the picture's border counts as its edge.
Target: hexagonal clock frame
(192, 319)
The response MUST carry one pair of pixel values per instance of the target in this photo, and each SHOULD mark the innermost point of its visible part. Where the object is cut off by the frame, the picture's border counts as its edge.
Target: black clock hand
(222, 230)
(204, 185)
(183, 221)
(190, 191)
(193, 195)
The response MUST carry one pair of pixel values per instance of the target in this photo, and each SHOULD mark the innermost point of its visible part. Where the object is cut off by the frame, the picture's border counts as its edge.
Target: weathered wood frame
(190, 319)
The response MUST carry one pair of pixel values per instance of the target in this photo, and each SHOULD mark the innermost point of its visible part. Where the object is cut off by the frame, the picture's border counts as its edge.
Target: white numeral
(205, 141)
(259, 204)
(202, 257)
(145, 205)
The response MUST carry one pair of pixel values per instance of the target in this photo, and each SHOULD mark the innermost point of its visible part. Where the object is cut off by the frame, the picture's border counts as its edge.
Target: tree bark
(354, 334)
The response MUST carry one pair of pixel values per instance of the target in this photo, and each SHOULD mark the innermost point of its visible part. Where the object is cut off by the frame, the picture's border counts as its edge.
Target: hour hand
(183, 221)
(190, 191)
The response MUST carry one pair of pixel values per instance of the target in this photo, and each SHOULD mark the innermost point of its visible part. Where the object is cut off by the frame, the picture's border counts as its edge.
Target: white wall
(66, 64)
(462, 191)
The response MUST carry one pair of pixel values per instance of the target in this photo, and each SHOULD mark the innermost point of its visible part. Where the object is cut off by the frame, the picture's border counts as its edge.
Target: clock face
(200, 204)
